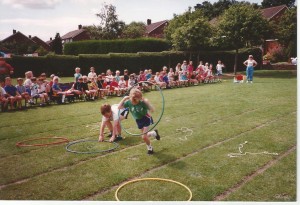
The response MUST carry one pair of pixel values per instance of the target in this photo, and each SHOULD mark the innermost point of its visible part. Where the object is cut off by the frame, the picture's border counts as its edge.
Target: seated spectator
(77, 74)
(183, 78)
(102, 92)
(12, 94)
(126, 77)
(58, 91)
(142, 76)
(22, 91)
(92, 74)
(171, 78)
(3, 99)
(148, 74)
(113, 87)
(122, 86)
(35, 92)
(176, 79)
(117, 76)
(42, 90)
(27, 82)
(77, 87)
(93, 89)
(159, 80)
(131, 81)
(46, 82)
(193, 80)
(165, 78)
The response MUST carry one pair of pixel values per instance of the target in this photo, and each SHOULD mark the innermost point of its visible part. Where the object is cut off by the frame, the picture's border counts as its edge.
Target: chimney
(50, 38)
(148, 21)
(29, 36)
(14, 31)
(79, 27)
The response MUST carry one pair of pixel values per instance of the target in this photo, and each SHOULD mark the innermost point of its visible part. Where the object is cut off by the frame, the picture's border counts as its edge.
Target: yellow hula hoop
(155, 179)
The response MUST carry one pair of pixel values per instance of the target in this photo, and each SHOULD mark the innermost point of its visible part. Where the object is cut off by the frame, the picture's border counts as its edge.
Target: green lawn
(221, 116)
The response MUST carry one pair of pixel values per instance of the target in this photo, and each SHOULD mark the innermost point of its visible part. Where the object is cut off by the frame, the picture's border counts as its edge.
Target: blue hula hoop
(161, 114)
(92, 152)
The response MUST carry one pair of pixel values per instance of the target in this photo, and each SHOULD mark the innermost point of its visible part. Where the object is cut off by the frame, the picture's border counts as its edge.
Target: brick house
(19, 43)
(77, 35)
(156, 30)
(273, 14)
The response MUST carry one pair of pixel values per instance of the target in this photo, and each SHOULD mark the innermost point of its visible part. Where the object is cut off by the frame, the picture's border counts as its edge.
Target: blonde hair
(135, 92)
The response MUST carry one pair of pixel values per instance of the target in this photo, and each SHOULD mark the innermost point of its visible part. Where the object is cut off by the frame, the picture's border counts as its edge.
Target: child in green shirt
(139, 107)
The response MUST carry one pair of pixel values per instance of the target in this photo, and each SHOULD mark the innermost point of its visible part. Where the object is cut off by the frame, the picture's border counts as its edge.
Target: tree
(110, 27)
(57, 45)
(271, 3)
(286, 31)
(134, 30)
(192, 36)
(181, 20)
(216, 9)
(242, 26)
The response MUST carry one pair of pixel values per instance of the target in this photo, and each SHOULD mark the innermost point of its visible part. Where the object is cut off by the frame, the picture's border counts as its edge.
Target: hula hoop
(161, 114)
(153, 179)
(62, 140)
(92, 152)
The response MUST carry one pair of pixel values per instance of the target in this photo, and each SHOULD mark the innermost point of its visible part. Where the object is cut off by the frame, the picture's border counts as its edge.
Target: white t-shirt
(2, 91)
(122, 84)
(219, 67)
(115, 113)
(34, 89)
(92, 75)
(27, 83)
(250, 62)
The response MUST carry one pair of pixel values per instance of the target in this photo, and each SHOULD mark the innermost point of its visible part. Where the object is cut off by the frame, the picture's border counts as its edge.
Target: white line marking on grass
(248, 178)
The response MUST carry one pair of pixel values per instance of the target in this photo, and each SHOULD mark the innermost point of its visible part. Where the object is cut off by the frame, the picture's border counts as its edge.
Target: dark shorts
(146, 121)
(125, 113)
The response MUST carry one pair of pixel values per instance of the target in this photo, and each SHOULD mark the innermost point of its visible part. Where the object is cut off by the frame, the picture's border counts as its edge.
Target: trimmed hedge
(116, 46)
(134, 62)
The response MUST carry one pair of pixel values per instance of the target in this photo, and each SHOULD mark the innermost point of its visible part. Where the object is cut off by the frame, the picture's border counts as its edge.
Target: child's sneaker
(157, 135)
(150, 152)
(118, 138)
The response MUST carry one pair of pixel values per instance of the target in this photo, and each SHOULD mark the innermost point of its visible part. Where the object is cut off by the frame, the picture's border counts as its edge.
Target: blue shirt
(56, 87)
(11, 90)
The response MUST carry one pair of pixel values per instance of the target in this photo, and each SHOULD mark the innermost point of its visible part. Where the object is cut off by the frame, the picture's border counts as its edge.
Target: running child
(139, 108)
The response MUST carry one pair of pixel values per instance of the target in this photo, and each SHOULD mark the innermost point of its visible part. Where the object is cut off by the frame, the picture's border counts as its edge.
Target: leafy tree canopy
(271, 3)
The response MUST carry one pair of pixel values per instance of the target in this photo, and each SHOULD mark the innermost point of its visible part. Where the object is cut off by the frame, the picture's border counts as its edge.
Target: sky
(45, 18)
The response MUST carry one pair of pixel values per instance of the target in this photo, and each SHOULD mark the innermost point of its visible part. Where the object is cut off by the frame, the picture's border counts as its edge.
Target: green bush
(116, 46)
(134, 62)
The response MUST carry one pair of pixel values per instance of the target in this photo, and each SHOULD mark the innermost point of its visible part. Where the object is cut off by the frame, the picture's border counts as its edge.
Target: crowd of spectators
(41, 91)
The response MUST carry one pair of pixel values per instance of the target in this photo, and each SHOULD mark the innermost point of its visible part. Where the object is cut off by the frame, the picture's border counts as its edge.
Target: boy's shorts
(146, 121)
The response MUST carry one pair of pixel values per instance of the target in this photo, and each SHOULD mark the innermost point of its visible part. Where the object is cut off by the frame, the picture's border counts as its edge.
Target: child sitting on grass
(139, 108)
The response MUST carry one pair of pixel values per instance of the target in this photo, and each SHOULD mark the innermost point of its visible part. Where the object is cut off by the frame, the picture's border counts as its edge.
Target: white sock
(152, 134)
(149, 147)
(63, 98)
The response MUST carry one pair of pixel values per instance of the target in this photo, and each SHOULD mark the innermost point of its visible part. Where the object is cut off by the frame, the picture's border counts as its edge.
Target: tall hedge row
(134, 62)
(116, 46)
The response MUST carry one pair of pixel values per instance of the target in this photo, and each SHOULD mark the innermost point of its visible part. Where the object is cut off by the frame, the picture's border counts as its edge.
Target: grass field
(221, 116)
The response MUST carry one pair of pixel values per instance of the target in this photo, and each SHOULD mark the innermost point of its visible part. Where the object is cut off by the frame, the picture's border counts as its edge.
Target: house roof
(40, 42)
(153, 26)
(72, 34)
(271, 12)
(17, 35)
